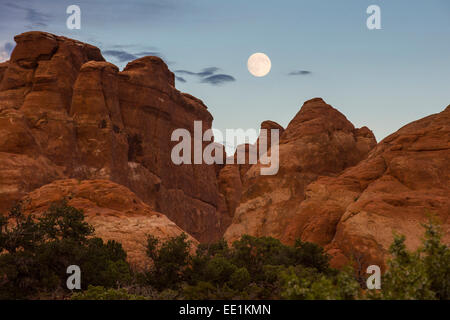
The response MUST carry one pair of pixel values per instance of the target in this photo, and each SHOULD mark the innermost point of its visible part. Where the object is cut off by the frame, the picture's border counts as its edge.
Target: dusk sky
(382, 79)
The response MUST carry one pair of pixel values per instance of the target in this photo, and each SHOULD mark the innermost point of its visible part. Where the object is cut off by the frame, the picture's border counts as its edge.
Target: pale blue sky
(382, 78)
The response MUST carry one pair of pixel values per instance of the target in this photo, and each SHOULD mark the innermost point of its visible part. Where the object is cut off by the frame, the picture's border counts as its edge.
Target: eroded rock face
(37, 134)
(72, 124)
(232, 175)
(151, 110)
(353, 212)
(114, 211)
(319, 141)
(403, 180)
(66, 113)
(230, 187)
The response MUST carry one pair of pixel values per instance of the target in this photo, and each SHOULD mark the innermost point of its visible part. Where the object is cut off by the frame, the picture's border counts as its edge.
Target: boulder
(114, 211)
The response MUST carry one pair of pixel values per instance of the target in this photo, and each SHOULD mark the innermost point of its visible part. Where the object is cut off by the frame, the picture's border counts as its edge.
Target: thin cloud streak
(218, 79)
(123, 56)
(5, 51)
(299, 73)
(207, 75)
(35, 17)
(181, 79)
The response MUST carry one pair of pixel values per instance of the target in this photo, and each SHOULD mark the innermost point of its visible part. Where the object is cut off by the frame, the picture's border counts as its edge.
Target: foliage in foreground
(102, 293)
(420, 275)
(252, 268)
(264, 268)
(35, 252)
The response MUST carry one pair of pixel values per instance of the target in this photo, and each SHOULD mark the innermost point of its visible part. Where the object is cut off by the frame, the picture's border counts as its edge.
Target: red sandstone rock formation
(354, 214)
(231, 176)
(66, 113)
(405, 179)
(115, 212)
(318, 141)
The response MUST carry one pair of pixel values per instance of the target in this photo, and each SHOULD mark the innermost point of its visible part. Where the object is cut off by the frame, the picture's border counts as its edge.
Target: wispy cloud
(186, 72)
(207, 75)
(3, 56)
(181, 79)
(5, 51)
(148, 53)
(120, 55)
(299, 73)
(204, 73)
(34, 17)
(128, 46)
(9, 46)
(123, 56)
(218, 79)
(208, 71)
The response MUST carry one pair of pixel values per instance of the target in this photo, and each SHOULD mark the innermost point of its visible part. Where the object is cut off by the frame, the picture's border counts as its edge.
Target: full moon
(259, 64)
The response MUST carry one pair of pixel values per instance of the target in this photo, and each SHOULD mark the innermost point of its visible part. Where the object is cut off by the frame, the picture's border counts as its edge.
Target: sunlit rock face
(336, 190)
(67, 113)
(403, 182)
(113, 210)
(72, 124)
(232, 176)
(319, 141)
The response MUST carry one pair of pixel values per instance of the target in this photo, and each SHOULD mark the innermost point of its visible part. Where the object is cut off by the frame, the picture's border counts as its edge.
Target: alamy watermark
(373, 281)
(74, 280)
(191, 150)
(374, 20)
(74, 20)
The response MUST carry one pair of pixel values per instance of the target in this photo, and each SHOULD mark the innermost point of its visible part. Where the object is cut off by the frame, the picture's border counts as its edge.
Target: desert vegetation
(35, 252)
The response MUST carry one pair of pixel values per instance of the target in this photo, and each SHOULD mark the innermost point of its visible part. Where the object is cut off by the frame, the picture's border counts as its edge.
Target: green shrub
(420, 275)
(302, 283)
(251, 268)
(436, 258)
(37, 251)
(202, 290)
(169, 261)
(101, 293)
(239, 279)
